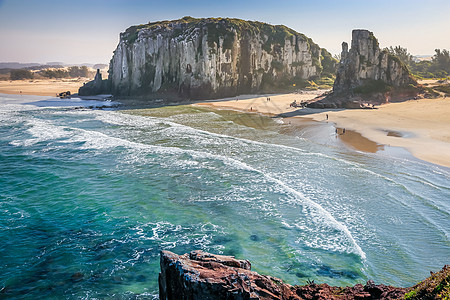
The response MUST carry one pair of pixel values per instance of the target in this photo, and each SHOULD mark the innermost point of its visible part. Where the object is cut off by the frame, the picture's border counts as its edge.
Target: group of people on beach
(295, 104)
(337, 132)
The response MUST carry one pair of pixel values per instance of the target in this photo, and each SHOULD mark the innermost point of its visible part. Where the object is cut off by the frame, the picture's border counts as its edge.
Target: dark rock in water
(200, 275)
(368, 75)
(77, 277)
(254, 238)
(95, 87)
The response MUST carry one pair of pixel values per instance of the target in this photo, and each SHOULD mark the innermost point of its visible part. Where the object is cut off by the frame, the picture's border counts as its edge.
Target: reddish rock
(200, 275)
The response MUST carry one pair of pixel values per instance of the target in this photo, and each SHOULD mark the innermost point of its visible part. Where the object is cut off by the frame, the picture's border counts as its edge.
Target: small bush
(79, 71)
(298, 64)
(411, 295)
(277, 65)
(54, 73)
(443, 88)
(372, 86)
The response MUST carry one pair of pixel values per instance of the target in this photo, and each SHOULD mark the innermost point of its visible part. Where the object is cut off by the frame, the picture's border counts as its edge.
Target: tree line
(71, 72)
(437, 67)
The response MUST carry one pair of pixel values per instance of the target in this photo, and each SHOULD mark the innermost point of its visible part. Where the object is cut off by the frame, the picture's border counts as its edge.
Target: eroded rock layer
(206, 58)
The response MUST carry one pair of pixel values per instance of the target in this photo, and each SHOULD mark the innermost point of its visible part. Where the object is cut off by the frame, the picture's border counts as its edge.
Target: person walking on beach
(327, 116)
(343, 131)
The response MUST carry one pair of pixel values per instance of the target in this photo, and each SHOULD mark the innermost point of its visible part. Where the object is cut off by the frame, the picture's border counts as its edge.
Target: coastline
(420, 126)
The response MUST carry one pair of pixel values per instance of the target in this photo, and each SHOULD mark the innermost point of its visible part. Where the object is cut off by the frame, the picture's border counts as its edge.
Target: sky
(87, 31)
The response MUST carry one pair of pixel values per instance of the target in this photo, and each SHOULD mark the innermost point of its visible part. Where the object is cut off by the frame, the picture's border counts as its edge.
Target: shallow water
(88, 198)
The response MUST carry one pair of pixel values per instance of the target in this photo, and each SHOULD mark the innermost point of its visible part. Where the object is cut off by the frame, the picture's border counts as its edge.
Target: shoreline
(422, 127)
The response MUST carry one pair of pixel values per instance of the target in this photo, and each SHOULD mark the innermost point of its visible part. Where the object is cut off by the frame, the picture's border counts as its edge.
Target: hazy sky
(88, 30)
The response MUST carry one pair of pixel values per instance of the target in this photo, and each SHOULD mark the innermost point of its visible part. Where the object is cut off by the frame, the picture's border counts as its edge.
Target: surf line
(323, 211)
(338, 225)
(236, 163)
(142, 119)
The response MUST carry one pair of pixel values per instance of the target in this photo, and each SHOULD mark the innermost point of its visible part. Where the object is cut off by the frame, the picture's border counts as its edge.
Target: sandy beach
(40, 87)
(278, 103)
(420, 126)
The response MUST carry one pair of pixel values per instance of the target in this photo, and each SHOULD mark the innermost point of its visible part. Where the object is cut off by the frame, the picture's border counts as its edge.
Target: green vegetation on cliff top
(437, 286)
(223, 27)
(278, 33)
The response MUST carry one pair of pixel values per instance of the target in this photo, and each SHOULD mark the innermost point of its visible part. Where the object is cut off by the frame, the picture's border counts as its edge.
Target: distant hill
(418, 58)
(17, 65)
(39, 66)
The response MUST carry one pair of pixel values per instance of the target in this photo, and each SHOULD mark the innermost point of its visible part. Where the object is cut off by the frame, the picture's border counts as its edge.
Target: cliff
(201, 275)
(209, 58)
(367, 74)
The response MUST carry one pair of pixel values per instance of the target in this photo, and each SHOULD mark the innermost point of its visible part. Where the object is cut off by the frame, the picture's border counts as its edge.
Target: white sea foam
(97, 140)
(181, 130)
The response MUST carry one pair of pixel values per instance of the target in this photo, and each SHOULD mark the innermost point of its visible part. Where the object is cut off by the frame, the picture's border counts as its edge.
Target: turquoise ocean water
(88, 198)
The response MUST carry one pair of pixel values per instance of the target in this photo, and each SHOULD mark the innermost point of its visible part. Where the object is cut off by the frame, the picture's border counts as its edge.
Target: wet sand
(420, 126)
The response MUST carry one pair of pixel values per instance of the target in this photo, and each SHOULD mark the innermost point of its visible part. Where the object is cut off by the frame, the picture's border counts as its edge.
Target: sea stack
(95, 87)
(368, 75)
(213, 57)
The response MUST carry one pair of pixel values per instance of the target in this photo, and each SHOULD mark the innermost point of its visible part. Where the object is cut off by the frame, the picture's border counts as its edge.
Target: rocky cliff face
(365, 62)
(367, 74)
(201, 275)
(205, 58)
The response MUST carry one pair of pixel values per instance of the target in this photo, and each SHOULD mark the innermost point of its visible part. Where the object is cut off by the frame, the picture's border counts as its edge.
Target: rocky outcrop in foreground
(201, 275)
(368, 75)
(214, 57)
